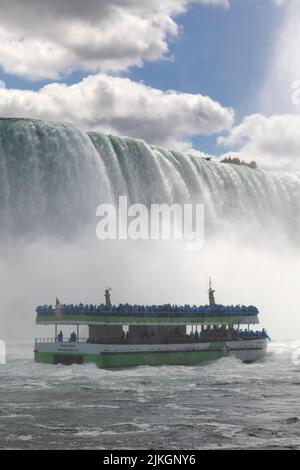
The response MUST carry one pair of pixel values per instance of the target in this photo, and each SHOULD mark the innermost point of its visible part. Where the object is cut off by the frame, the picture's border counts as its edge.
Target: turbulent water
(224, 405)
(53, 176)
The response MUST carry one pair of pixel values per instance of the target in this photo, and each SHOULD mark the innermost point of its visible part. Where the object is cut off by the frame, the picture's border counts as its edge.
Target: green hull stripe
(145, 358)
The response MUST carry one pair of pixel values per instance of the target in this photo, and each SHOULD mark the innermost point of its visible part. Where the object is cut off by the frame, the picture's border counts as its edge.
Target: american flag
(58, 309)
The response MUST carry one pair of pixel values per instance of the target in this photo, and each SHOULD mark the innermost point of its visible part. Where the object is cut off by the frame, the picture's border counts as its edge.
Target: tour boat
(135, 335)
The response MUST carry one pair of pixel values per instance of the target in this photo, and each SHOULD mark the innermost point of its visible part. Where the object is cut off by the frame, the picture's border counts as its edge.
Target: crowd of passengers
(194, 336)
(249, 334)
(235, 334)
(148, 310)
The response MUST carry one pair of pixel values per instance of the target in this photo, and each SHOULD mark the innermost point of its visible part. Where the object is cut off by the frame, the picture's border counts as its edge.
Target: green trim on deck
(89, 320)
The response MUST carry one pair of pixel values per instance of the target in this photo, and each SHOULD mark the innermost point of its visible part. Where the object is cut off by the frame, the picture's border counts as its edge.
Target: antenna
(107, 296)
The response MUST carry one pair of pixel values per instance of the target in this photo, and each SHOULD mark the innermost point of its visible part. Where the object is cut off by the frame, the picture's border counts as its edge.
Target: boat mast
(211, 295)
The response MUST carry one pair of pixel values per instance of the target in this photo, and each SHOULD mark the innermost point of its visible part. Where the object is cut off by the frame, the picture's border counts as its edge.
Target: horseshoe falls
(53, 177)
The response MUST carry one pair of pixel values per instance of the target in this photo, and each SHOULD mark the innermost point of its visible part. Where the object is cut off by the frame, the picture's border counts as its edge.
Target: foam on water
(226, 404)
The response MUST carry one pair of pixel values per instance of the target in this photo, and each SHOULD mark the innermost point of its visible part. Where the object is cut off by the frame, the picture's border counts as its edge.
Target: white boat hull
(248, 350)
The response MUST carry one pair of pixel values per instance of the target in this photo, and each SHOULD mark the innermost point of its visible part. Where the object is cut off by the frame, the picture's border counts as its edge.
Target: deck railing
(175, 340)
(141, 314)
(184, 340)
(55, 340)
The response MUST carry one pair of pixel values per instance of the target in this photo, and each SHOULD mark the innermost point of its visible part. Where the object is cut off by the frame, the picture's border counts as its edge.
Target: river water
(223, 405)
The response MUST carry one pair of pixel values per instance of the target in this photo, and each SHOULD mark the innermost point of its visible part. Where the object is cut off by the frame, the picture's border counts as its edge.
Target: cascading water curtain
(53, 176)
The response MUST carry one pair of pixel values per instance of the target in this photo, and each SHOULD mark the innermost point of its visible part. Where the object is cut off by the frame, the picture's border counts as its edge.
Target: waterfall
(53, 176)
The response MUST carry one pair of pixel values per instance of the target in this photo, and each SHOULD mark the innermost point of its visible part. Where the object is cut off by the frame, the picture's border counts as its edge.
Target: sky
(220, 77)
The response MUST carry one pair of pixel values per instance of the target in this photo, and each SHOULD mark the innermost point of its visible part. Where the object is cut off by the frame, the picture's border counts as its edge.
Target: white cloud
(273, 142)
(283, 67)
(46, 39)
(121, 106)
(272, 136)
(281, 2)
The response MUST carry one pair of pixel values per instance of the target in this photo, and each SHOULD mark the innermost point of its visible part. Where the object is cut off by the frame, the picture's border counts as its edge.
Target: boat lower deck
(121, 355)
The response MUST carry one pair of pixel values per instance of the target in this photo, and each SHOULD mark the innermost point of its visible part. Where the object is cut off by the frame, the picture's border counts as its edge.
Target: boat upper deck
(146, 314)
